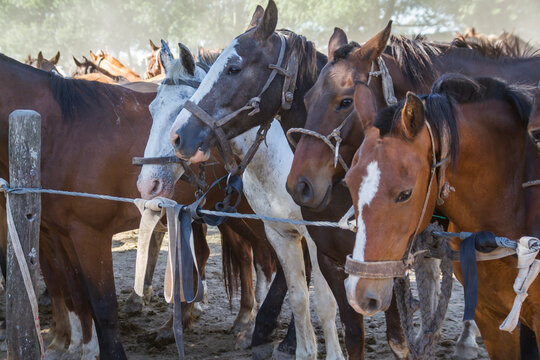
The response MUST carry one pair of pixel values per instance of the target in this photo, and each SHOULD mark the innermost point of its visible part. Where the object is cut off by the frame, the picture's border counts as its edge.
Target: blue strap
(483, 241)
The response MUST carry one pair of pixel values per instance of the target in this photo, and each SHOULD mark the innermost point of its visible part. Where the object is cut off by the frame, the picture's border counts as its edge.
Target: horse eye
(233, 70)
(345, 103)
(404, 196)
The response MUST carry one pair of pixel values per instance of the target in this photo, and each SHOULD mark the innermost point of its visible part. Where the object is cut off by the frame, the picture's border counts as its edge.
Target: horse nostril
(156, 188)
(535, 134)
(304, 190)
(371, 303)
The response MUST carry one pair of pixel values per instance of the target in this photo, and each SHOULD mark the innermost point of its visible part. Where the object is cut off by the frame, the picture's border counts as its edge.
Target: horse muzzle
(368, 296)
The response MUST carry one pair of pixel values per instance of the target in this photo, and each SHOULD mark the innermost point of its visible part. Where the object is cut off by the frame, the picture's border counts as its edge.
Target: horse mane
(452, 89)
(75, 96)
(308, 58)
(209, 57)
(505, 46)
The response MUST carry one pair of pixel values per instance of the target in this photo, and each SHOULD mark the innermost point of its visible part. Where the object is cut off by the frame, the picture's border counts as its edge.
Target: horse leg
(134, 303)
(266, 320)
(394, 331)
(289, 251)
(353, 322)
(325, 305)
(466, 346)
(499, 344)
(237, 258)
(93, 249)
(528, 343)
(288, 344)
(265, 266)
(202, 252)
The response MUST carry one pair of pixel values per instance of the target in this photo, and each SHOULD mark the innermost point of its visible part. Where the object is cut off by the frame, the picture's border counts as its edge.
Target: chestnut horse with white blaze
(471, 135)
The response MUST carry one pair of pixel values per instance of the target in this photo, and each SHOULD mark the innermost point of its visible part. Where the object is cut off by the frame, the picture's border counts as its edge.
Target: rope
(4, 185)
(423, 346)
(530, 183)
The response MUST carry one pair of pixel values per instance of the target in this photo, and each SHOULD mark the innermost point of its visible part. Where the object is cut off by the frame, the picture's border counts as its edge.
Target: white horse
(181, 78)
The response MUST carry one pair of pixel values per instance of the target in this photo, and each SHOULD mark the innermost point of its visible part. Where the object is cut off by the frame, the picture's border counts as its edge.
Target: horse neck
(489, 172)
(464, 61)
(118, 69)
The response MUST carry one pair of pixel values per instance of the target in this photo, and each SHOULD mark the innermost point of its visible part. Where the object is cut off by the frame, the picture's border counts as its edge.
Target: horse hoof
(197, 311)
(282, 355)
(53, 354)
(133, 305)
(164, 337)
(262, 352)
(465, 352)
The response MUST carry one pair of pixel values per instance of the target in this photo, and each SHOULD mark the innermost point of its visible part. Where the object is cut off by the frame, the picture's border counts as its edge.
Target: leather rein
(253, 106)
(389, 97)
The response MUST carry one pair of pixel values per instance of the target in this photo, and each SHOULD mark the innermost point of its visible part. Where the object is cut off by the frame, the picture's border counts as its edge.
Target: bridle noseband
(253, 105)
(389, 97)
(399, 268)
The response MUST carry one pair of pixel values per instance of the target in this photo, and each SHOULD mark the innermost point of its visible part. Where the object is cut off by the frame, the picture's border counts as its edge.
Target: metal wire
(5, 187)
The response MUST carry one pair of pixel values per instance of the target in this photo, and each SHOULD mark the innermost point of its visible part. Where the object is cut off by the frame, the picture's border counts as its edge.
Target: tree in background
(123, 28)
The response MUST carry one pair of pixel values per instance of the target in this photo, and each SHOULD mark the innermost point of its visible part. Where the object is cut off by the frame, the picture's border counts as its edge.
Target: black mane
(452, 89)
(308, 58)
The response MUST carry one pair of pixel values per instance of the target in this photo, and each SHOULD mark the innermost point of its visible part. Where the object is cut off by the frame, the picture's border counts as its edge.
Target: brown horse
(412, 64)
(534, 123)
(75, 246)
(154, 67)
(113, 66)
(41, 63)
(87, 70)
(477, 129)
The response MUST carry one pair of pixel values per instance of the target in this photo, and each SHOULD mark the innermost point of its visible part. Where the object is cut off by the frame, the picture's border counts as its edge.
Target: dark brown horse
(75, 247)
(479, 127)
(413, 65)
(41, 63)
(236, 78)
(534, 123)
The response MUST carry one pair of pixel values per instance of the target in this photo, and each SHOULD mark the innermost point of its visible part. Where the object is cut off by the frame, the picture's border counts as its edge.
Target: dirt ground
(210, 336)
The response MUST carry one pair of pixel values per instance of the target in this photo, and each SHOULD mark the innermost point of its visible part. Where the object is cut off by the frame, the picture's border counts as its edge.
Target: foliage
(123, 28)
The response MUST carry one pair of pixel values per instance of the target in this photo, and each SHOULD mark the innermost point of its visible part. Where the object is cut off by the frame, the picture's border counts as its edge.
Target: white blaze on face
(366, 193)
(208, 83)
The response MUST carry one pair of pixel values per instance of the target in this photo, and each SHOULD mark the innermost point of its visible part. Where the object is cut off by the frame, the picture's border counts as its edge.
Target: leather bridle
(393, 269)
(389, 97)
(253, 106)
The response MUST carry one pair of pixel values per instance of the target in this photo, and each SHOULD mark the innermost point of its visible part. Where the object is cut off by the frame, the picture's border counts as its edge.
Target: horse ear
(256, 18)
(55, 59)
(76, 61)
(187, 59)
(40, 57)
(375, 46)
(337, 40)
(165, 56)
(93, 56)
(200, 52)
(153, 46)
(364, 105)
(412, 115)
(268, 23)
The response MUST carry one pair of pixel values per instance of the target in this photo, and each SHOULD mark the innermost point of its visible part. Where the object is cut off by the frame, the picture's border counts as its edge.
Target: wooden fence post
(24, 171)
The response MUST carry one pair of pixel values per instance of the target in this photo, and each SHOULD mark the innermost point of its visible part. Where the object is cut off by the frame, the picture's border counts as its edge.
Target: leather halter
(389, 97)
(392, 269)
(253, 104)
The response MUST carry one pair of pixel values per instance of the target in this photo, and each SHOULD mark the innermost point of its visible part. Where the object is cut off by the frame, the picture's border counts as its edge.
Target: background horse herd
(397, 128)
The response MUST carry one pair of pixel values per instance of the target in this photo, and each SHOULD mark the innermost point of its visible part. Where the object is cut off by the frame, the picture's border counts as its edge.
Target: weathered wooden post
(24, 171)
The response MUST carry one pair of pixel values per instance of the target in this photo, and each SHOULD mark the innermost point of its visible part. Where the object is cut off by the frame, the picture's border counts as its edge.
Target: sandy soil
(210, 336)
